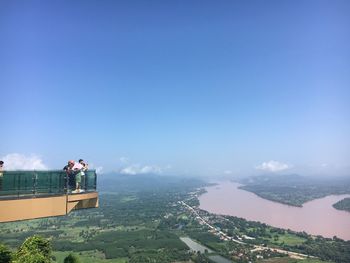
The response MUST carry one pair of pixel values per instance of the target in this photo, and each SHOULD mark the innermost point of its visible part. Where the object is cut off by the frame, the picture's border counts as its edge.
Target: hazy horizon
(207, 88)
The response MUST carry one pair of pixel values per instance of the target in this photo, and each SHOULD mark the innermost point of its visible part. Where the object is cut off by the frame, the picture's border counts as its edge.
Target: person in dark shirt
(70, 174)
(1, 173)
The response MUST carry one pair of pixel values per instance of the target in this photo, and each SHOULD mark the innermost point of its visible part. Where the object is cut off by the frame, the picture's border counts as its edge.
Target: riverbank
(343, 204)
(243, 238)
(294, 190)
(316, 217)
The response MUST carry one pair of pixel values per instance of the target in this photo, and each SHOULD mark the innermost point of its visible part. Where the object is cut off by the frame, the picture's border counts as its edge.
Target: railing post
(66, 182)
(50, 182)
(18, 184)
(25, 188)
(35, 181)
(95, 186)
(85, 178)
(60, 182)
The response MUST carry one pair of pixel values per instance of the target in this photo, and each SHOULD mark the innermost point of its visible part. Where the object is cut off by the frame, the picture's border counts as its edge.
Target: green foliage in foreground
(5, 254)
(34, 249)
(343, 204)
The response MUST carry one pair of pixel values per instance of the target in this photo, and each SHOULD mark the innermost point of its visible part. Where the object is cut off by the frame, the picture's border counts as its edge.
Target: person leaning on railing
(84, 164)
(83, 174)
(1, 173)
(70, 174)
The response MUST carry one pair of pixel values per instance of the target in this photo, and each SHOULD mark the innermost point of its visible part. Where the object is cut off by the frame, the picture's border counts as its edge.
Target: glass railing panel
(50, 182)
(16, 183)
(90, 180)
(19, 183)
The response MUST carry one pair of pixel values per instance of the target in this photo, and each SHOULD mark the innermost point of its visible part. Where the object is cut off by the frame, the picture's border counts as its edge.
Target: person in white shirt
(83, 174)
(78, 171)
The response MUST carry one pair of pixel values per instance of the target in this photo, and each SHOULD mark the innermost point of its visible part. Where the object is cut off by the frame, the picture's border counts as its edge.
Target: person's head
(81, 160)
(71, 163)
(1, 164)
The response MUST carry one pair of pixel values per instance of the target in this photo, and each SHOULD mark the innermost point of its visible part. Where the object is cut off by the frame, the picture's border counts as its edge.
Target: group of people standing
(76, 174)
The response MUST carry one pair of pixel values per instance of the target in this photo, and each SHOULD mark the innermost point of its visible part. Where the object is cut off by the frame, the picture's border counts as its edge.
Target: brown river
(316, 217)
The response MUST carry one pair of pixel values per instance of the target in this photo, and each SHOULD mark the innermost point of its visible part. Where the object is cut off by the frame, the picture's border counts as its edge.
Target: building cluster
(208, 220)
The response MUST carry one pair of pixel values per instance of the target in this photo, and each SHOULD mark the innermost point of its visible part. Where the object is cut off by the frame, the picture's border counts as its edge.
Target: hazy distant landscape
(141, 219)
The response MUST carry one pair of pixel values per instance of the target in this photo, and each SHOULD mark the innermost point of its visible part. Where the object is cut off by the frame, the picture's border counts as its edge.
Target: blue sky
(181, 87)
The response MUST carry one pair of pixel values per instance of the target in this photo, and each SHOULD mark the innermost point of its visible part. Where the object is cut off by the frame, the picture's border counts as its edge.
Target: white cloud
(273, 166)
(138, 169)
(16, 161)
(228, 172)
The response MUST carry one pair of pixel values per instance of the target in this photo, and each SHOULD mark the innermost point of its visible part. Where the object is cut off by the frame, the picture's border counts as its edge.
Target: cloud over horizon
(138, 169)
(17, 161)
(273, 166)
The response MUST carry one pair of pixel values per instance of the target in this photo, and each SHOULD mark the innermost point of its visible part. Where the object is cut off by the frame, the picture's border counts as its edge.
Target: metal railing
(38, 183)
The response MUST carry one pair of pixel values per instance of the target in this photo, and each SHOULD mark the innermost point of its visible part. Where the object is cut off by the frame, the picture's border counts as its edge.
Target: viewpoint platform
(36, 194)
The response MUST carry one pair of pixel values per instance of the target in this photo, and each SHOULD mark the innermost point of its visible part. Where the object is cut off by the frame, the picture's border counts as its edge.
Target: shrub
(35, 249)
(71, 258)
(5, 254)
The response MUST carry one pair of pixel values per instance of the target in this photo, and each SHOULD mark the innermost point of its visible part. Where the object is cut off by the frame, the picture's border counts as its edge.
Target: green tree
(5, 254)
(35, 249)
(71, 259)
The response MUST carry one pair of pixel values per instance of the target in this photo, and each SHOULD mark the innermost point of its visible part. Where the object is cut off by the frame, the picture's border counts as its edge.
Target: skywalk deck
(36, 194)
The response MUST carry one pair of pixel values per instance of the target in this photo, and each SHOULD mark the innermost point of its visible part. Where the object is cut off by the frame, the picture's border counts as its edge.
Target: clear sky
(180, 87)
